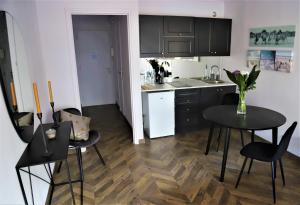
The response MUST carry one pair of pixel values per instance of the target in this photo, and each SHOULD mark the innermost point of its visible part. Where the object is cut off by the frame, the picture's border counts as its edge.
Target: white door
(94, 64)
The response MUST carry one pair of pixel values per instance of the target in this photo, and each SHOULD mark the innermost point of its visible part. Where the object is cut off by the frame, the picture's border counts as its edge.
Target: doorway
(101, 47)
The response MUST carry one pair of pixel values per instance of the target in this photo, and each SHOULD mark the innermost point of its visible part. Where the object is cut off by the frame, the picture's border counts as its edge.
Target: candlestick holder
(15, 108)
(55, 125)
(47, 152)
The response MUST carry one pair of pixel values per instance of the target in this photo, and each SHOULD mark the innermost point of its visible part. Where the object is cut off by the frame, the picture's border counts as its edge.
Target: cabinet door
(178, 46)
(226, 89)
(178, 26)
(221, 37)
(209, 97)
(151, 31)
(202, 36)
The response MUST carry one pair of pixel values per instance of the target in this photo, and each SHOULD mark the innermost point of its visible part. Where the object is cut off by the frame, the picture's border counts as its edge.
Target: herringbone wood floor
(171, 170)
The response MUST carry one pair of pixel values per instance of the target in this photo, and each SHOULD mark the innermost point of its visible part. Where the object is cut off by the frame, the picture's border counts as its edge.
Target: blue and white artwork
(276, 36)
(267, 60)
(253, 58)
(283, 61)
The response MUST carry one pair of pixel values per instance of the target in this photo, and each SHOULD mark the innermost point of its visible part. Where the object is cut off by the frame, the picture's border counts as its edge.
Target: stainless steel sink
(209, 81)
(213, 81)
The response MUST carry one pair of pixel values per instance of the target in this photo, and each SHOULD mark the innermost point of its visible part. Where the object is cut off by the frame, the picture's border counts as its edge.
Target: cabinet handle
(221, 89)
(215, 52)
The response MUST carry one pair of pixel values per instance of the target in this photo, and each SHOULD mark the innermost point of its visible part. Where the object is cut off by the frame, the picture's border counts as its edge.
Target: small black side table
(33, 155)
(257, 118)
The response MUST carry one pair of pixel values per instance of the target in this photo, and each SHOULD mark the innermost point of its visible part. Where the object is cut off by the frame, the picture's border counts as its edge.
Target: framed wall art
(276, 36)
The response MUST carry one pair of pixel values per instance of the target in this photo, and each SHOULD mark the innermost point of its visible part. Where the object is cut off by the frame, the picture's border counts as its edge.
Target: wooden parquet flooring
(170, 170)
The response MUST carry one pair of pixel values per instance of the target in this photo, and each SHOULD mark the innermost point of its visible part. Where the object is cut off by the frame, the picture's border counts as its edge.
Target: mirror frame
(25, 134)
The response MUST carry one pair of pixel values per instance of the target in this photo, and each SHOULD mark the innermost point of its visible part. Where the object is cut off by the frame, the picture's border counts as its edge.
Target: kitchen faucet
(215, 72)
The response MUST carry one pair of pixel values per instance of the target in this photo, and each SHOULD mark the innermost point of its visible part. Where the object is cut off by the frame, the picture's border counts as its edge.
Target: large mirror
(15, 77)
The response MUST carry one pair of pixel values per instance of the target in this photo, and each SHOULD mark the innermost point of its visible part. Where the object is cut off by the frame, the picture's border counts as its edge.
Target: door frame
(135, 88)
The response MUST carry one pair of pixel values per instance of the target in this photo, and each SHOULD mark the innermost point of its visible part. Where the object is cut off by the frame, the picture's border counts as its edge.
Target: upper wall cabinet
(221, 37)
(173, 36)
(151, 34)
(212, 37)
(179, 26)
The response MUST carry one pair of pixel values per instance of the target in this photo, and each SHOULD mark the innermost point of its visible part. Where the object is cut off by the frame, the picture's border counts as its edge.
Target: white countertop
(186, 83)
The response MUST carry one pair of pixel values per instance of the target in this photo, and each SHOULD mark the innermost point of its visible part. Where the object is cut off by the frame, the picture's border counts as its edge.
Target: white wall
(181, 8)
(54, 20)
(11, 147)
(275, 90)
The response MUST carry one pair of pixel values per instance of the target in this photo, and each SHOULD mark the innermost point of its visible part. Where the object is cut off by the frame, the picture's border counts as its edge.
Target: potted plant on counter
(159, 70)
(245, 81)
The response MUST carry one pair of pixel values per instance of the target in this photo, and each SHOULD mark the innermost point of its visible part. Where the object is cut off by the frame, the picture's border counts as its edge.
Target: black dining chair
(94, 138)
(230, 99)
(267, 152)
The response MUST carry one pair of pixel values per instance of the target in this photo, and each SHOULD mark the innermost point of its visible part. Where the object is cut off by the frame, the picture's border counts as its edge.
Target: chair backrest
(73, 111)
(284, 142)
(230, 99)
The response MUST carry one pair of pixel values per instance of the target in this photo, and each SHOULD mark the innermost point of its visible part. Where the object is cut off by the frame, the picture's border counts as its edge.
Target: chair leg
(241, 173)
(211, 131)
(282, 172)
(242, 138)
(250, 165)
(219, 138)
(273, 181)
(59, 166)
(99, 155)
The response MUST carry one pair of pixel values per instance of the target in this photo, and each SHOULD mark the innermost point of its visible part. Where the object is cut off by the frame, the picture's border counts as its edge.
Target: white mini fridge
(159, 113)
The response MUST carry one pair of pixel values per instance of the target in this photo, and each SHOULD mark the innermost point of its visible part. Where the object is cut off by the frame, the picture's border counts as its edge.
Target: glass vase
(241, 108)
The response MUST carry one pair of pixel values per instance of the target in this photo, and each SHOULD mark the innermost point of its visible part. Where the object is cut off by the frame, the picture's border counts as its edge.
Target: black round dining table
(256, 118)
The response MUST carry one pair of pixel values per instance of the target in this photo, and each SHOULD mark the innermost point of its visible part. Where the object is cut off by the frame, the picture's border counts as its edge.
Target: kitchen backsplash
(183, 67)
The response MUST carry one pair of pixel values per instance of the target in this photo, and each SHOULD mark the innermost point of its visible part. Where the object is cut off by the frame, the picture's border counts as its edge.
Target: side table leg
(211, 131)
(51, 184)
(70, 182)
(21, 185)
(225, 153)
(30, 182)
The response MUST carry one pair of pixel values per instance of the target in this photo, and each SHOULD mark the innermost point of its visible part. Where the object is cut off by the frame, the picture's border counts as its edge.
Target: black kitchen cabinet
(151, 36)
(178, 46)
(165, 36)
(176, 36)
(177, 26)
(187, 109)
(190, 103)
(212, 37)
(202, 36)
(221, 37)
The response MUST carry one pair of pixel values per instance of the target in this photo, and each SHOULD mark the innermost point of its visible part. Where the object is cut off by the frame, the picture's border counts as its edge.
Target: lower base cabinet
(190, 103)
